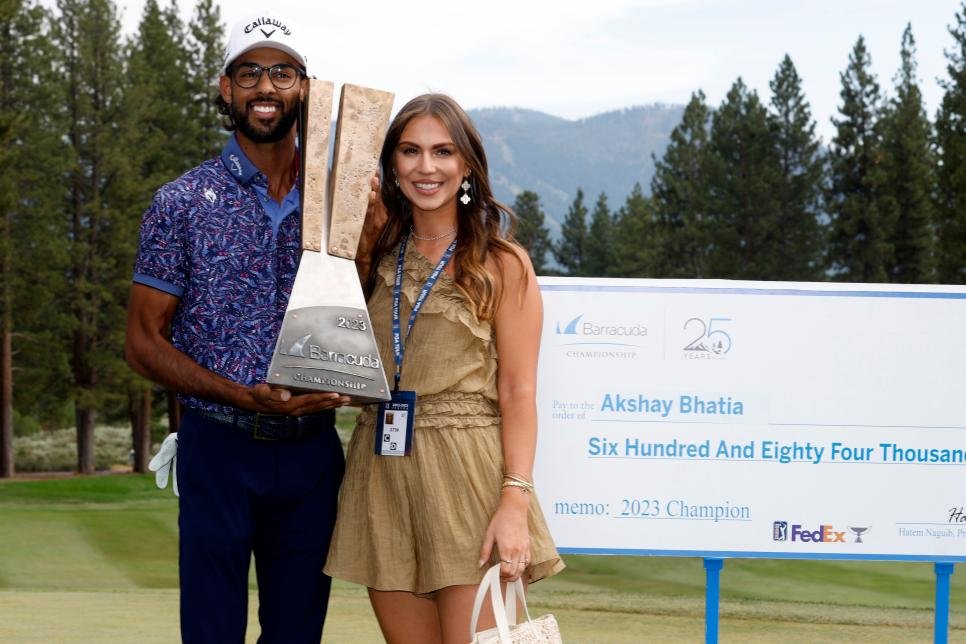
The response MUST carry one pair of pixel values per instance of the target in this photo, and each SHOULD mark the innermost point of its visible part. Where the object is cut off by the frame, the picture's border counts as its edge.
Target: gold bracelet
(516, 477)
(526, 487)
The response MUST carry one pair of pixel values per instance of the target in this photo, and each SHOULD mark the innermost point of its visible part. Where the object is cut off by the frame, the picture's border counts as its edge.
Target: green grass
(850, 583)
(345, 419)
(115, 531)
(80, 555)
(72, 490)
(148, 617)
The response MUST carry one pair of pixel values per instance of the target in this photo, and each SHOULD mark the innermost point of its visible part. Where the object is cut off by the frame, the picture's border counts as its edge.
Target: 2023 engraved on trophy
(326, 342)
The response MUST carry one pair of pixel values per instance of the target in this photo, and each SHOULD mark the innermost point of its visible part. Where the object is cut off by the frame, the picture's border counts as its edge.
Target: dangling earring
(395, 177)
(466, 191)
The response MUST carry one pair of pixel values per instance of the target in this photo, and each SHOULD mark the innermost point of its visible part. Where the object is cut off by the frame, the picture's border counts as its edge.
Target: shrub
(56, 450)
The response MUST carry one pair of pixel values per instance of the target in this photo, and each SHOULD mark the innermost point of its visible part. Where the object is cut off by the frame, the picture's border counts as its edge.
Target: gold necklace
(449, 232)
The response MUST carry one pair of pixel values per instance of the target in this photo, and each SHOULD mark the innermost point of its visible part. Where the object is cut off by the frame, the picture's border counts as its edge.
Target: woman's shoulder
(510, 262)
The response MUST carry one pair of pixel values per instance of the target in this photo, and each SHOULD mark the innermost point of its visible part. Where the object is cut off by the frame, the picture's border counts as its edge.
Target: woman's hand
(509, 533)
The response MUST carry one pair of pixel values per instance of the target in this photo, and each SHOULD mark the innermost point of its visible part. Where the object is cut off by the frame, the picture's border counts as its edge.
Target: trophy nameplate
(326, 341)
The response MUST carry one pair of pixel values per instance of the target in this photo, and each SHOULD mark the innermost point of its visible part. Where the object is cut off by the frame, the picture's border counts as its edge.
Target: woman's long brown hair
(484, 225)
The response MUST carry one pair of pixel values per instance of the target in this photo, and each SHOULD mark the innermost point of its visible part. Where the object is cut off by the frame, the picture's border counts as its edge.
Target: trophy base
(329, 348)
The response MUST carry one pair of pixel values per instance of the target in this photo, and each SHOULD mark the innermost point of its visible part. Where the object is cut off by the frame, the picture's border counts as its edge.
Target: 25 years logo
(708, 338)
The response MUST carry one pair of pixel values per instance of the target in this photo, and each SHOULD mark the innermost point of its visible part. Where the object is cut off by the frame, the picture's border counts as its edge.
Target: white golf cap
(263, 29)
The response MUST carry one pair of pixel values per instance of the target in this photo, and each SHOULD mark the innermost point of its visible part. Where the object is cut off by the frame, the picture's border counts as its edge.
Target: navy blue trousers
(276, 499)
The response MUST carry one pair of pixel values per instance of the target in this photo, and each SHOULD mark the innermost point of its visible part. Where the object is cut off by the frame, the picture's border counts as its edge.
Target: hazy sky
(575, 58)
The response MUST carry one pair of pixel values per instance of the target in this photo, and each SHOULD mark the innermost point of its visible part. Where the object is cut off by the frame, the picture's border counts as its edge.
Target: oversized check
(753, 419)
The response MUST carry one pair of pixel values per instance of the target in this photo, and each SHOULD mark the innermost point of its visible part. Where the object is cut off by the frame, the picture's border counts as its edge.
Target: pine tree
(532, 232)
(31, 243)
(679, 193)
(87, 40)
(207, 46)
(634, 236)
(570, 250)
(799, 188)
(858, 202)
(910, 167)
(17, 25)
(742, 179)
(598, 246)
(951, 172)
(8, 124)
(162, 129)
(12, 119)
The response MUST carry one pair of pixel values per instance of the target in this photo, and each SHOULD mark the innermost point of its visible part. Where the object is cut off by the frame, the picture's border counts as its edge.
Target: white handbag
(543, 630)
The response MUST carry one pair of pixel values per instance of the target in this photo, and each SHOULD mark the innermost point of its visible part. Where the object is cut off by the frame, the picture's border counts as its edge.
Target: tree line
(92, 122)
(748, 191)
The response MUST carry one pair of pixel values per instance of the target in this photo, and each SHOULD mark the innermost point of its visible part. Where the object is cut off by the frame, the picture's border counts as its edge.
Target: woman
(421, 529)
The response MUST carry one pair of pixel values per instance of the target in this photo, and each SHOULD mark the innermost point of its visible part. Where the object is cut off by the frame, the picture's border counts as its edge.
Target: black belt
(272, 427)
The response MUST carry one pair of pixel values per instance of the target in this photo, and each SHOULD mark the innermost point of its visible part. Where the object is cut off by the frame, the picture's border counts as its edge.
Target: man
(258, 468)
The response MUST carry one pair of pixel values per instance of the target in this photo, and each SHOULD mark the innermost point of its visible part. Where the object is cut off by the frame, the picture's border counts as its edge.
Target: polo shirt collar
(237, 163)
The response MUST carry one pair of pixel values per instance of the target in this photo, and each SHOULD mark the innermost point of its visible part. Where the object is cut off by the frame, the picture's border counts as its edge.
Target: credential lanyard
(398, 344)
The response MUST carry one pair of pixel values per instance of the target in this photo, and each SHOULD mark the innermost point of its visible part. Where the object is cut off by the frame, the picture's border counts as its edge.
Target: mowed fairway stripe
(151, 616)
(143, 616)
(140, 544)
(48, 548)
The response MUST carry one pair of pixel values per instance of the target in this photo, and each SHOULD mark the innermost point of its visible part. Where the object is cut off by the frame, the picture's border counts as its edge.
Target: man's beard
(270, 134)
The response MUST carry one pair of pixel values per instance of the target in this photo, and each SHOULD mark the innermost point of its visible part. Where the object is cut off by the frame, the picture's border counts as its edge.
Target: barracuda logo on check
(597, 330)
(585, 339)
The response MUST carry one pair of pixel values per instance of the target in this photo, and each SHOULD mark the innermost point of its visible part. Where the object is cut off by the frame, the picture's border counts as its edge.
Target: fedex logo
(824, 534)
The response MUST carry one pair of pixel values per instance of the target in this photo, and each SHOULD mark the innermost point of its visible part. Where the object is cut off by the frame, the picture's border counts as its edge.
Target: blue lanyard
(398, 346)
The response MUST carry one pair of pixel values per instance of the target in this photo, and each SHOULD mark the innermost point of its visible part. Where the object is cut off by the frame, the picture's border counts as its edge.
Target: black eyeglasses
(248, 75)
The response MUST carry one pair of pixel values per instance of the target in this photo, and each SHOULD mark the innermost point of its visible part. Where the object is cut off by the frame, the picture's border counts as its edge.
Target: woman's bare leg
(406, 618)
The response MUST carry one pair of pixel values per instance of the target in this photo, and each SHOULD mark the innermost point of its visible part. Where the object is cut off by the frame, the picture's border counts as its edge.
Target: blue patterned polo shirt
(214, 239)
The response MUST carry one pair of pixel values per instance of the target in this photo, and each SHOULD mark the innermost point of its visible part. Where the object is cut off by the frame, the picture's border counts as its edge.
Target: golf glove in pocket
(165, 463)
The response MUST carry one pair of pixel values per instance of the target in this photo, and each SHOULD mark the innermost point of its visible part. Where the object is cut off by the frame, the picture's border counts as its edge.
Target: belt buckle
(257, 430)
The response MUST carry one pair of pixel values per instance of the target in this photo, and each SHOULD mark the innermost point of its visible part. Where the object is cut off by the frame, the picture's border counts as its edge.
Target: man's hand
(278, 400)
(376, 215)
(376, 218)
(150, 352)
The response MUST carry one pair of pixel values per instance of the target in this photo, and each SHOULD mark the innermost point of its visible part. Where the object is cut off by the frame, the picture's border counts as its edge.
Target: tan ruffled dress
(416, 523)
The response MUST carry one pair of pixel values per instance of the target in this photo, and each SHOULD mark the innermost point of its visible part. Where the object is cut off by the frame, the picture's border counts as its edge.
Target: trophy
(858, 532)
(326, 341)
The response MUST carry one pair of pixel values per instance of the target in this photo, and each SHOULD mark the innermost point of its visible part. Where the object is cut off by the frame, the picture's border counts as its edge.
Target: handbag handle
(505, 613)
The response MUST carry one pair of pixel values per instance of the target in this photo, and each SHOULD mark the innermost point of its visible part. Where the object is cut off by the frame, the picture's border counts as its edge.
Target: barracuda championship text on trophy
(326, 342)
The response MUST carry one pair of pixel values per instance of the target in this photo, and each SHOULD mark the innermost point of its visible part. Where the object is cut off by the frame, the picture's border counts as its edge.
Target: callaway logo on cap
(264, 29)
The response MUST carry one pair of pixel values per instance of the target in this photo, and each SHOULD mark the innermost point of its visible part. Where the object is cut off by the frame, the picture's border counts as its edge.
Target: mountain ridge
(553, 156)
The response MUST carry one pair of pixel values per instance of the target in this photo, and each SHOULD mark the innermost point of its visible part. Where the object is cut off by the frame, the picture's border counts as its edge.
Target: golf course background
(94, 559)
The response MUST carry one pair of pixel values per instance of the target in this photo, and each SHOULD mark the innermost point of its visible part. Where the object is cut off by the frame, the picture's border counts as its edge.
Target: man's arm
(150, 353)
